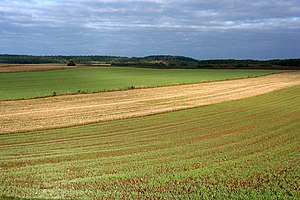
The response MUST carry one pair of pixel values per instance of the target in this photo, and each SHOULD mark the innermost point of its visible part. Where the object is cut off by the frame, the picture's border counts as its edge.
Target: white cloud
(159, 21)
(151, 13)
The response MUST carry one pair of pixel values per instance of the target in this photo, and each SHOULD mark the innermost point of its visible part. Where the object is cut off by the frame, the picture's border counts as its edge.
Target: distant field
(244, 149)
(32, 67)
(21, 85)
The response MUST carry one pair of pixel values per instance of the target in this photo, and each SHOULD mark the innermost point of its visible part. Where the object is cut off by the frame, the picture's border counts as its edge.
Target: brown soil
(63, 111)
(31, 67)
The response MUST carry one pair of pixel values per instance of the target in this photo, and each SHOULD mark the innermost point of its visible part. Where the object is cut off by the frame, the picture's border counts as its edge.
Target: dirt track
(71, 110)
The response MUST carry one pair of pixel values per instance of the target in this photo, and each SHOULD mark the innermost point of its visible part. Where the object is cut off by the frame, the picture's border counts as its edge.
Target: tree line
(159, 61)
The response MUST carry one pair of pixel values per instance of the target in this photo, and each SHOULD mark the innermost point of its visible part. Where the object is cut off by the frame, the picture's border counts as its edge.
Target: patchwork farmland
(234, 139)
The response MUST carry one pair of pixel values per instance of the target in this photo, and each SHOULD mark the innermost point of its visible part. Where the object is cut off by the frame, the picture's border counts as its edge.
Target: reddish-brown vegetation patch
(32, 67)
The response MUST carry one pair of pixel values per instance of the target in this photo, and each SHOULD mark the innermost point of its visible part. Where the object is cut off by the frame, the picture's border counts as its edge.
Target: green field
(25, 85)
(245, 149)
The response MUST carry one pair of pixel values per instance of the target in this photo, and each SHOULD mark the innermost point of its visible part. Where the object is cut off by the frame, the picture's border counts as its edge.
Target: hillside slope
(245, 149)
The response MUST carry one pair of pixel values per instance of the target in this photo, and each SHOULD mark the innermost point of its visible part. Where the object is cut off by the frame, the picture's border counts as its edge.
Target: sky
(202, 29)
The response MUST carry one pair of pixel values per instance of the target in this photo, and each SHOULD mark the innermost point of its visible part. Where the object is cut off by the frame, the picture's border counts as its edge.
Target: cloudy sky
(203, 29)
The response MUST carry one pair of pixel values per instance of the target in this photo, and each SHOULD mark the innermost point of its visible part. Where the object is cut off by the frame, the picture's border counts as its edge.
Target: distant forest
(158, 61)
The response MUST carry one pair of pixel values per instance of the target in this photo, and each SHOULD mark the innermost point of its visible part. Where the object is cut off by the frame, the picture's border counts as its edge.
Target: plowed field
(33, 67)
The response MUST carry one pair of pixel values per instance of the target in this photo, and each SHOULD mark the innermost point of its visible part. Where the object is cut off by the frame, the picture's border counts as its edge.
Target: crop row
(240, 149)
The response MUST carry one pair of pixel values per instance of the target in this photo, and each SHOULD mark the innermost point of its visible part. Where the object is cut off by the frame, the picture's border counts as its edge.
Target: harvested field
(32, 67)
(63, 111)
(244, 149)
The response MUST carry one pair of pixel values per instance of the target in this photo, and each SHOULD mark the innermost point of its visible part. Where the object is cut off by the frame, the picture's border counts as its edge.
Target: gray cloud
(202, 29)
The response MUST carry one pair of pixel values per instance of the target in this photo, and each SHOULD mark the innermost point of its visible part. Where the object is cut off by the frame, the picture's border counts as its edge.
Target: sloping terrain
(243, 149)
(63, 111)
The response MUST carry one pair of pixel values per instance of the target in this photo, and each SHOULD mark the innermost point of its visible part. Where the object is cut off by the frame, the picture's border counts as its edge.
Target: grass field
(245, 149)
(26, 85)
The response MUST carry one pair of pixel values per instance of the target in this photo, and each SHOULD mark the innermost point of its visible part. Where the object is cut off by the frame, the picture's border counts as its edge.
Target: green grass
(90, 79)
(245, 149)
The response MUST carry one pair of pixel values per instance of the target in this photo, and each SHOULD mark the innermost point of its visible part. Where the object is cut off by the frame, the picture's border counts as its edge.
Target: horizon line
(64, 55)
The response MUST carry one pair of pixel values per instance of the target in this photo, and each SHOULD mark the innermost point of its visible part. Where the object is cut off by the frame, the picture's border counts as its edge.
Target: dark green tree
(71, 63)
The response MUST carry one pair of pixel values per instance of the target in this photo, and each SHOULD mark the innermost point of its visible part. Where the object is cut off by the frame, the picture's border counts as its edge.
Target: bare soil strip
(69, 110)
(31, 67)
